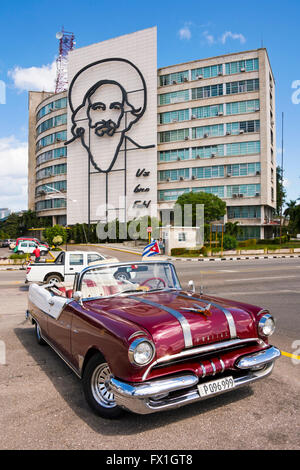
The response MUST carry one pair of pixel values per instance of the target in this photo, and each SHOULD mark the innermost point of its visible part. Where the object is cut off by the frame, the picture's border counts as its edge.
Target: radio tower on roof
(66, 44)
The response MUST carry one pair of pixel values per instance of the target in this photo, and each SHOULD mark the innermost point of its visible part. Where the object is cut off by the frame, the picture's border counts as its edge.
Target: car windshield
(109, 281)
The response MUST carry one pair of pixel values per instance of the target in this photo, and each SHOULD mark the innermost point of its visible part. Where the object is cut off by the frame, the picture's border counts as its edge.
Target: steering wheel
(159, 281)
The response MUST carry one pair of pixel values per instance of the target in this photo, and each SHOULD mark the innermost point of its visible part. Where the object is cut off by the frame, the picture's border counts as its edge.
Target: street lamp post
(67, 198)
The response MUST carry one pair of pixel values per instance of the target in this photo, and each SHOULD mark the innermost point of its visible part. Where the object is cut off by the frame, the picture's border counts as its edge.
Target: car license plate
(216, 386)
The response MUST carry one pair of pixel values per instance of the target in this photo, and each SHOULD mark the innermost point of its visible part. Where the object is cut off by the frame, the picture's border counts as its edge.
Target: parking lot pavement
(42, 405)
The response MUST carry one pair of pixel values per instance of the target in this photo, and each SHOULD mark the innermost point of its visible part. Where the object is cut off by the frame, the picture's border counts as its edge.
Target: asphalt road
(42, 405)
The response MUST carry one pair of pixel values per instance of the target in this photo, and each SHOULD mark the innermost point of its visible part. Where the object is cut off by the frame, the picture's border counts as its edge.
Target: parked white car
(66, 265)
(29, 247)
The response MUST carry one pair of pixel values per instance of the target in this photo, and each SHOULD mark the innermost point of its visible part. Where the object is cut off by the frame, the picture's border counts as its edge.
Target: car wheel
(53, 277)
(38, 335)
(43, 253)
(20, 252)
(122, 276)
(97, 394)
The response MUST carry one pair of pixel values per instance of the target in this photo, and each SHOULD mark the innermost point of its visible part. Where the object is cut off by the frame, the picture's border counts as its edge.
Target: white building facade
(138, 137)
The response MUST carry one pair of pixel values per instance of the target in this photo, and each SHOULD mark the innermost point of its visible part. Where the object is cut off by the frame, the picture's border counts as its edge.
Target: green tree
(280, 191)
(214, 207)
(293, 212)
(290, 210)
(52, 232)
(233, 229)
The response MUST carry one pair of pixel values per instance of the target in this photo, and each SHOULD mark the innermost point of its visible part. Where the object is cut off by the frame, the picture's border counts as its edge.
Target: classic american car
(139, 342)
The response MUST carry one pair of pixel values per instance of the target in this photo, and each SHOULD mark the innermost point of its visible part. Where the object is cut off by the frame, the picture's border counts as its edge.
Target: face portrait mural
(107, 110)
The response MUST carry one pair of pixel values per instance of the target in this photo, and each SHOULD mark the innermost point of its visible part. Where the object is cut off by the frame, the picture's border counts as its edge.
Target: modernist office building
(212, 123)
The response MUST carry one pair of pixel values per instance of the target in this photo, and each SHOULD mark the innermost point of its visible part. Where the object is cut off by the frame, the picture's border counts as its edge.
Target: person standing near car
(37, 254)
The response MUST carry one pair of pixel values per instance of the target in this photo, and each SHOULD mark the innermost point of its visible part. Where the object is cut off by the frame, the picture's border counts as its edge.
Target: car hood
(176, 320)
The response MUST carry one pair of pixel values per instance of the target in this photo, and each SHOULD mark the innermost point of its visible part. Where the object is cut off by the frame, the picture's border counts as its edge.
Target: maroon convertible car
(141, 343)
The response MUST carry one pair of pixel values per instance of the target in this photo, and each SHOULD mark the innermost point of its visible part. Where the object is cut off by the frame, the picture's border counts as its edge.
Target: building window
(174, 116)
(51, 155)
(242, 127)
(243, 169)
(173, 155)
(243, 148)
(208, 172)
(173, 136)
(171, 194)
(50, 204)
(248, 65)
(207, 92)
(240, 107)
(216, 190)
(181, 236)
(51, 171)
(244, 212)
(208, 131)
(249, 232)
(207, 111)
(51, 139)
(243, 190)
(207, 72)
(59, 120)
(174, 175)
(243, 86)
(51, 187)
(48, 108)
(175, 97)
(173, 78)
(208, 151)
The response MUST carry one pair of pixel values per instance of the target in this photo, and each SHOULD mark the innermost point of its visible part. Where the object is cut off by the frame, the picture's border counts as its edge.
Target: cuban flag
(151, 249)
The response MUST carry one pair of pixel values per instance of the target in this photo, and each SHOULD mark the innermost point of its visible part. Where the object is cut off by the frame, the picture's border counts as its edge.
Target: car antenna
(201, 285)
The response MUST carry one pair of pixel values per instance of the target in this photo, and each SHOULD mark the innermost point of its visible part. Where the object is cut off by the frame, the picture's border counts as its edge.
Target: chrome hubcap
(99, 386)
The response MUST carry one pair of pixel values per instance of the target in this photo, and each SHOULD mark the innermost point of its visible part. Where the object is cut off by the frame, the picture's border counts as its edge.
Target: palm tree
(233, 229)
(290, 210)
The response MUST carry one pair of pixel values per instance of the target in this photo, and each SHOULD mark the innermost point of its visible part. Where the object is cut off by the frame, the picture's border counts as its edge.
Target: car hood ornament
(199, 309)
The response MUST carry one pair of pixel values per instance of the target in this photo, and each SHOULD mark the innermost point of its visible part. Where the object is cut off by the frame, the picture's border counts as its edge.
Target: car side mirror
(192, 286)
(78, 297)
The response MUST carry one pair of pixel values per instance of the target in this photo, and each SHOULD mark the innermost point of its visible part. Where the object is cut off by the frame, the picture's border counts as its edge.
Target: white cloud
(34, 78)
(185, 32)
(13, 173)
(235, 36)
(209, 38)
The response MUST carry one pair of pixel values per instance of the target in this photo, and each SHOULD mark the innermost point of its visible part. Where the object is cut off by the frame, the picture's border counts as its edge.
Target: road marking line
(293, 356)
(260, 278)
(264, 292)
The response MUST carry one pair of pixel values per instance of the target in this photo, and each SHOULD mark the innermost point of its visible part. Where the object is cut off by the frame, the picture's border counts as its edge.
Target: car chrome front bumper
(152, 396)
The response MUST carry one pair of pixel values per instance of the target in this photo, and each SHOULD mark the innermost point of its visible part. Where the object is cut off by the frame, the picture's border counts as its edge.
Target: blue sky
(187, 30)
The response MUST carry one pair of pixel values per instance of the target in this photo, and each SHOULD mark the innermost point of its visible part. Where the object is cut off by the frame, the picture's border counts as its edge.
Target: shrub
(229, 242)
(178, 251)
(52, 232)
(15, 256)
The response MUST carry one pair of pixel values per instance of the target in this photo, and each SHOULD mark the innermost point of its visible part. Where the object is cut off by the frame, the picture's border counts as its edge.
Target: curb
(236, 258)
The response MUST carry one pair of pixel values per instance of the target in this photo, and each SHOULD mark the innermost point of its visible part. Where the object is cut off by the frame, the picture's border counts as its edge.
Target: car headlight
(141, 352)
(266, 325)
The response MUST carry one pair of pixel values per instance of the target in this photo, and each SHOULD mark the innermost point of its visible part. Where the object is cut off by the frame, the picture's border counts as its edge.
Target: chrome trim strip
(229, 317)
(222, 364)
(137, 333)
(258, 359)
(131, 397)
(188, 340)
(153, 388)
(214, 367)
(203, 370)
(203, 349)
